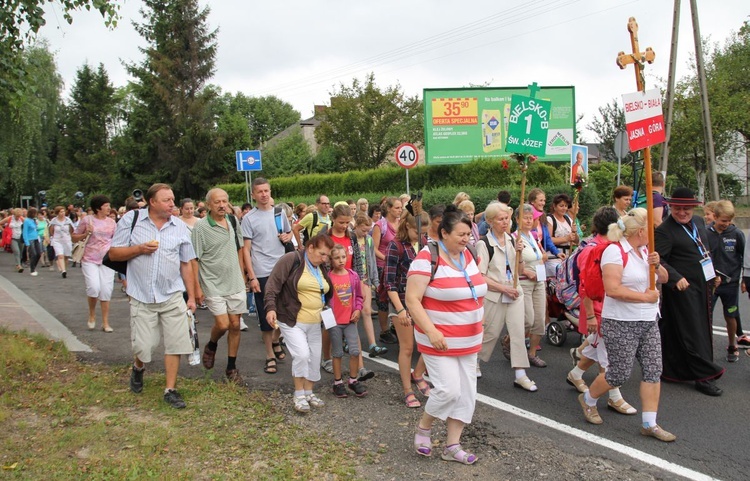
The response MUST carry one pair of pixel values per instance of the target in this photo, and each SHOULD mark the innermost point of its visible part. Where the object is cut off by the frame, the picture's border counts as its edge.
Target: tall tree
(29, 127)
(609, 122)
(171, 132)
(86, 156)
(366, 123)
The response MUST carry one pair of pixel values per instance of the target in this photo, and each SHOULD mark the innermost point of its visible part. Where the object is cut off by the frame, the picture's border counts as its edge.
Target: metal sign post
(407, 156)
(248, 161)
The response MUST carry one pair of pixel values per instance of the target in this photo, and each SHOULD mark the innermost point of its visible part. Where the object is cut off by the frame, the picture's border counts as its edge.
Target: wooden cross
(637, 58)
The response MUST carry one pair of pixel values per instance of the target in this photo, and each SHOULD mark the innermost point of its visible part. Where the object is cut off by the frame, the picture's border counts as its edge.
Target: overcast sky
(299, 50)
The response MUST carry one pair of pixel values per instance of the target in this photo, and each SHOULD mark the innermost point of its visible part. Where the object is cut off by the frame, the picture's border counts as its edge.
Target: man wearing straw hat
(686, 333)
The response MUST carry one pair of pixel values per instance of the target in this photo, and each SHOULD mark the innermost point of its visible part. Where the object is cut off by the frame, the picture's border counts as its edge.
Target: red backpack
(591, 276)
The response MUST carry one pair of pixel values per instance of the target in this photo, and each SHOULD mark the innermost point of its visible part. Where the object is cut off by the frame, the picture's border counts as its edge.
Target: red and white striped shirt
(451, 306)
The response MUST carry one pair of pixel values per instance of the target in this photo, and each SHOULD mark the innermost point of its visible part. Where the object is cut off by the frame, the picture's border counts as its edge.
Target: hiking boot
(136, 379)
(359, 389)
(339, 390)
(209, 357)
(234, 376)
(173, 398)
(658, 433)
(733, 354)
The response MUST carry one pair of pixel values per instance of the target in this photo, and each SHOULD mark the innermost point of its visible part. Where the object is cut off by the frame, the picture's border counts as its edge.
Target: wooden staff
(637, 58)
(519, 258)
(416, 204)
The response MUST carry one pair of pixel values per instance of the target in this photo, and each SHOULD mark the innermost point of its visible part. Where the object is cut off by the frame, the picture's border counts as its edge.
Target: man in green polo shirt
(314, 222)
(218, 245)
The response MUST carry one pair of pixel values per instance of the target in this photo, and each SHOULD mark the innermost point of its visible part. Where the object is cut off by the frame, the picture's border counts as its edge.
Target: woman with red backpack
(629, 313)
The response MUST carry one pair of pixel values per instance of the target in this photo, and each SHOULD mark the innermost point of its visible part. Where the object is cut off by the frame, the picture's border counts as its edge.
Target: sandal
(424, 390)
(270, 367)
(621, 406)
(422, 442)
(456, 453)
(525, 383)
(280, 354)
(411, 401)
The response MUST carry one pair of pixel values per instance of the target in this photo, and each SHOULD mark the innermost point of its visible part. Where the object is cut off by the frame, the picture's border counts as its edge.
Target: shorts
(146, 319)
(730, 298)
(340, 332)
(231, 304)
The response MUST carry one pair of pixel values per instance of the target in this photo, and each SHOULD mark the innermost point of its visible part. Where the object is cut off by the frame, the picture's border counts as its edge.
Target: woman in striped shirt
(447, 310)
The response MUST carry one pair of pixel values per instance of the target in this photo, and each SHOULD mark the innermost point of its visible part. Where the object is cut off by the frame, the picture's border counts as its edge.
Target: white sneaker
(243, 326)
(35, 273)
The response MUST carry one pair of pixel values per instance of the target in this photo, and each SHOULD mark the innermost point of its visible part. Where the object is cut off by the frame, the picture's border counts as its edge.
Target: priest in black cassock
(686, 314)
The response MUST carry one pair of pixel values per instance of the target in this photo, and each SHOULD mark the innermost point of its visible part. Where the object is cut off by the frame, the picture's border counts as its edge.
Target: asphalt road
(711, 437)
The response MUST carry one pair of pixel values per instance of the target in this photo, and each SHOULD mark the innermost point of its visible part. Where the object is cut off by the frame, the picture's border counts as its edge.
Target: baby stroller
(562, 319)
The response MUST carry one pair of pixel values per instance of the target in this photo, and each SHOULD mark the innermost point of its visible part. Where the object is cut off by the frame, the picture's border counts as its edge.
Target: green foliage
(20, 21)
(607, 125)
(288, 156)
(366, 123)
(29, 128)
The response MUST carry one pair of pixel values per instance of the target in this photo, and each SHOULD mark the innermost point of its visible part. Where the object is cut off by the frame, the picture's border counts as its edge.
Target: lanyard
(460, 267)
(696, 239)
(315, 271)
(534, 247)
(508, 273)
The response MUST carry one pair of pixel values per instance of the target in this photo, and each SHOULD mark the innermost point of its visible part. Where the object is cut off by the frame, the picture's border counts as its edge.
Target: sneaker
(589, 412)
(173, 398)
(537, 361)
(743, 341)
(243, 326)
(732, 354)
(387, 337)
(234, 376)
(376, 350)
(327, 365)
(209, 357)
(203, 306)
(64, 275)
(339, 390)
(301, 405)
(365, 374)
(35, 273)
(658, 433)
(314, 401)
(136, 379)
(359, 389)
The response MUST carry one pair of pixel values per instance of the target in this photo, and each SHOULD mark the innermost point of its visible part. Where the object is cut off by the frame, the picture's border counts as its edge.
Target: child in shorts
(347, 308)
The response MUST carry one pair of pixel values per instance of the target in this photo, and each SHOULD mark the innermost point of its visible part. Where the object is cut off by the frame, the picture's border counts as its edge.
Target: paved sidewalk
(21, 313)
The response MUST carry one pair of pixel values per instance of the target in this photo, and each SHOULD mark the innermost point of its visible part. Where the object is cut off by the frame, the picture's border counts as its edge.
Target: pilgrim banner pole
(638, 58)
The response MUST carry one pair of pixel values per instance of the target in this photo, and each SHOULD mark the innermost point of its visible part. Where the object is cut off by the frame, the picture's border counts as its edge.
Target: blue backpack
(567, 278)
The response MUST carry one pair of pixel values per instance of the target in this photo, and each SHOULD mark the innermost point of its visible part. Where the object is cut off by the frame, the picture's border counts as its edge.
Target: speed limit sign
(407, 155)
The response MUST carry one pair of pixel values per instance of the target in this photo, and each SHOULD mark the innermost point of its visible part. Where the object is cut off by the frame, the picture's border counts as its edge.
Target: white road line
(563, 428)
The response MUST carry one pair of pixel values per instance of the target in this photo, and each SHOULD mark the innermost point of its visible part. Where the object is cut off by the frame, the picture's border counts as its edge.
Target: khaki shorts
(146, 319)
(232, 304)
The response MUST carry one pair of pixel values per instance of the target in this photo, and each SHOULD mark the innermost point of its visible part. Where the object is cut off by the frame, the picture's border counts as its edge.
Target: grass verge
(65, 420)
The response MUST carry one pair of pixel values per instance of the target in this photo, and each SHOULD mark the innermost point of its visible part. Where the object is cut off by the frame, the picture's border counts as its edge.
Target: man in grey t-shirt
(265, 233)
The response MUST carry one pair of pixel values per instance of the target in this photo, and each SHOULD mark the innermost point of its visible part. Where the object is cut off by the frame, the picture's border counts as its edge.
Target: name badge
(329, 320)
(708, 269)
(541, 273)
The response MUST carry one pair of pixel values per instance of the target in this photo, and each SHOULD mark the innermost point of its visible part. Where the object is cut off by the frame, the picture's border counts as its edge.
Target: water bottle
(194, 358)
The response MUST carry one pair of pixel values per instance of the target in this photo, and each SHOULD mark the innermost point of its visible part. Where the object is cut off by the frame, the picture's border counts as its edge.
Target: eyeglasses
(325, 203)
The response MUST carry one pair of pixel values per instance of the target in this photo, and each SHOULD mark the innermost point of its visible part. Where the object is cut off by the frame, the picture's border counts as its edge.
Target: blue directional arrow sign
(248, 160)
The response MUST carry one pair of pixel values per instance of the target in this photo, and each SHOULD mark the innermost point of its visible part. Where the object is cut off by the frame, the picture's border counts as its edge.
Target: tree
(288, 156)
(607, 125)
(29, 128)
(171, 134)
(20, 21)
(86, 156)
(366, 123)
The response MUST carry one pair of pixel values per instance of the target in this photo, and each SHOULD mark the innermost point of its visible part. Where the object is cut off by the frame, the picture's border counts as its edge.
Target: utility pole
(670, 89)
(708, 136)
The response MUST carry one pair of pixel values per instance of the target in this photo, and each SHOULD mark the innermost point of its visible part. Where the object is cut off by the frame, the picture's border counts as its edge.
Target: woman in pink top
(99, 278)
(383, 233)
(447, 310)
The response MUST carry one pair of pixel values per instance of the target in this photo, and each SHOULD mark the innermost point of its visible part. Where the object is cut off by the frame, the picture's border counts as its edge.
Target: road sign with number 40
(407, 155)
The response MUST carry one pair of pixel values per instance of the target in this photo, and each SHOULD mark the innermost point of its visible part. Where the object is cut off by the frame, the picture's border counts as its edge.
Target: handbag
(120, 266)
(79, 248)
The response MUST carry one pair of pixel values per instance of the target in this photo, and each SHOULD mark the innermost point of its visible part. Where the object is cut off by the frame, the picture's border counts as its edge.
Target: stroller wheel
(556, 333)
